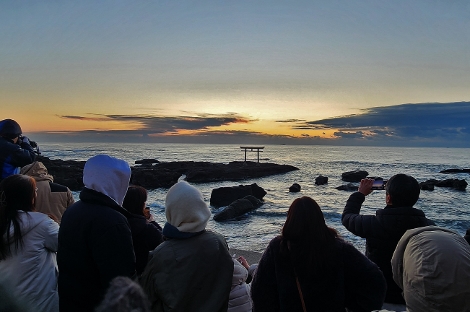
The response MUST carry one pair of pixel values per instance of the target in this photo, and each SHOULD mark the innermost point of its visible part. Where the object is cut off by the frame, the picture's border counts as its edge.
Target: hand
(243, 261)
(365, 187)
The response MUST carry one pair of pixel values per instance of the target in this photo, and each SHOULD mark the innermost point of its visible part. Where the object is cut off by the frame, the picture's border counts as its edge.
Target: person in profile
(146, 233)
(95, 240)
(383, 231)
(240, 298)
(15, 150)
(310, 268)
(53, 198)
(28, 245)
(192, 269)
(432, 266)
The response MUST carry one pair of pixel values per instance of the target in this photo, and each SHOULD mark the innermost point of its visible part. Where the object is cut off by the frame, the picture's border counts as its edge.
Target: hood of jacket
(38, 171)
(107, 175)
(432, 266)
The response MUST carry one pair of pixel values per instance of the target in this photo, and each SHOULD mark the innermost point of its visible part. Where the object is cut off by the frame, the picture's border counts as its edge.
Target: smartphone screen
(379, 184)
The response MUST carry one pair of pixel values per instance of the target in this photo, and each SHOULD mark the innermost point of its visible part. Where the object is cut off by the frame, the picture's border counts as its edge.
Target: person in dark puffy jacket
(15, 150)
(95, 240)
(383, 231)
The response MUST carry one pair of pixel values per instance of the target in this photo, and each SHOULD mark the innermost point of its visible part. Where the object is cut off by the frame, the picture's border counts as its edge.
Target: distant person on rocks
(95, 240)
(310, 268)
(28, 245)
(53, 198)
(383, 231)
(432, 266)
(15, 150)
(146, 233)
(192, 269)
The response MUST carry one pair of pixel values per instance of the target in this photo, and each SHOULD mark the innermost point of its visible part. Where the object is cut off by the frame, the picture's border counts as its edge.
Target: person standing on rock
(383, 231)
(95, 240)
(53, 198)
(15, 150)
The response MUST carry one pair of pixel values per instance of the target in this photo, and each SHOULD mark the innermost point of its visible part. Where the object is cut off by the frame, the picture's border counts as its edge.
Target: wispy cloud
(168, 124)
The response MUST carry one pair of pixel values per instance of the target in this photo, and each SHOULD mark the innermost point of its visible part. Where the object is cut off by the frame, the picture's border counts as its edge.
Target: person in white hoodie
(28, 245)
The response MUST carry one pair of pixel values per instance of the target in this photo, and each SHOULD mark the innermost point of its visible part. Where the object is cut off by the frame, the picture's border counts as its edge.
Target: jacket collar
(92, 196)
(170, 231)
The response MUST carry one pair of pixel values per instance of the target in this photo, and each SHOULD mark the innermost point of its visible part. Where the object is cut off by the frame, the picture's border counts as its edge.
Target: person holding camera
(383, 231)
(16, 150)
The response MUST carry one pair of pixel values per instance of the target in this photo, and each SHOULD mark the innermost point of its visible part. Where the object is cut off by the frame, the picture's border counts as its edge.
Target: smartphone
(379, 184)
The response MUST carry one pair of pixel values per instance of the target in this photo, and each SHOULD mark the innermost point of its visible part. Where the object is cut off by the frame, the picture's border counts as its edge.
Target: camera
(379, 184)
(33, 144)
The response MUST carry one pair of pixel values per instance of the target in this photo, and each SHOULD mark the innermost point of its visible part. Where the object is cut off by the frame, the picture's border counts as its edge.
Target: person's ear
(388, 199)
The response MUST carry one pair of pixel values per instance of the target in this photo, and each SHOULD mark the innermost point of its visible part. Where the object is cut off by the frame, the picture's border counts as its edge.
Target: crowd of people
(106, 253)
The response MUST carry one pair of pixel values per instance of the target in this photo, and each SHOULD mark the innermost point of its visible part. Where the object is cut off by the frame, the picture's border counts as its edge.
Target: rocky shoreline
(153, 174)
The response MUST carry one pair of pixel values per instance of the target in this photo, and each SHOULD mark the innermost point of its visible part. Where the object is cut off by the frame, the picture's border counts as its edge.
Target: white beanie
(185, 208)
(107, 175)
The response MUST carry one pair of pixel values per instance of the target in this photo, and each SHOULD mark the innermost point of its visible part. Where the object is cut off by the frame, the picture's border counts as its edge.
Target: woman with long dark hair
(310, 268)
(146, 233)
(28, 246)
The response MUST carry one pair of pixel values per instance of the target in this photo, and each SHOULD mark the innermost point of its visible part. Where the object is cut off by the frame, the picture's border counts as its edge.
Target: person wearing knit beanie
(192, 269)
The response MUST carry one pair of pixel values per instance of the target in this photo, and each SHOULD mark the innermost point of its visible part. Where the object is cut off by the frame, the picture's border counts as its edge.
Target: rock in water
(320, 180)
(294, 188)
(238, 208)
(224, 196)
(354, 176)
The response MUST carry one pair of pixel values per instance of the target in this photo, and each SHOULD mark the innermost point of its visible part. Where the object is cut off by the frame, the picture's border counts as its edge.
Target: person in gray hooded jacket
(192, 269)
(432, 266)
(95, 241)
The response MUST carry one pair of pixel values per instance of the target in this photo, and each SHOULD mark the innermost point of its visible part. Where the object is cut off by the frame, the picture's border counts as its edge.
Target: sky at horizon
(355, 72)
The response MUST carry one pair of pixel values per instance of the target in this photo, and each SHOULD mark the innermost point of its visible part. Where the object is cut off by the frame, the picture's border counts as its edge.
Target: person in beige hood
(53, 198)
(432, 266)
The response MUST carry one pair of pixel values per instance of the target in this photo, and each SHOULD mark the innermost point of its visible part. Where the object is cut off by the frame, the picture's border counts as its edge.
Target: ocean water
(447, 207)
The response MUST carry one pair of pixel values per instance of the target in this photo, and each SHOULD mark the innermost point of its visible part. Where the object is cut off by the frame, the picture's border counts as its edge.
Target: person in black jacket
(310, 268)
(146, 233)
(95, 240)
(383, 231)
(15, 150)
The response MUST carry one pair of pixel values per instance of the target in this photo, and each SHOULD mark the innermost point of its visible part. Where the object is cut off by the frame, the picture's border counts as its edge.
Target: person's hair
(306, 237)
(134, 200)
(403, 190)
(16, 193)
(124, 295)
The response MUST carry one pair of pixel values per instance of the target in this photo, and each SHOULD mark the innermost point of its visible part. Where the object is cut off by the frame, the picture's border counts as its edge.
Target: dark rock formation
(238, 208)
(457, 184)
(294, 188)
(354, 176)
(427, 186)
(165, 174)
(320, 180)
(347, 187)
(455, 171)
(224, 196)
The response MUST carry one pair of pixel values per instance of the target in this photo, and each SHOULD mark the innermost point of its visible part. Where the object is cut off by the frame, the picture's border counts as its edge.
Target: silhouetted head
(17, 192)
(403, 190)
(135, 199)
(305, 221)
(10, 129)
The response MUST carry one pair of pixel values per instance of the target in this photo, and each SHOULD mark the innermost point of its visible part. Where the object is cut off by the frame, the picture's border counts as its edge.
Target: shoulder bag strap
(297, 282)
